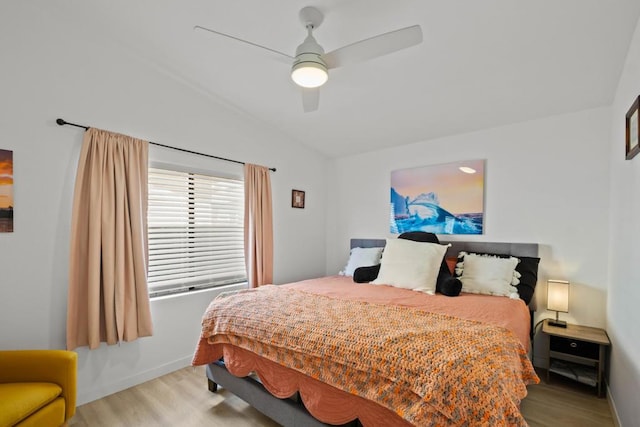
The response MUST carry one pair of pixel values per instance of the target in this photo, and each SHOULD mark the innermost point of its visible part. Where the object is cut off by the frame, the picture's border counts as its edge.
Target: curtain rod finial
(61, 122)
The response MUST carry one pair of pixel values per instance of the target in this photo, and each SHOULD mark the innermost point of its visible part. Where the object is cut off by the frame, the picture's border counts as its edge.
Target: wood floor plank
(181, 399)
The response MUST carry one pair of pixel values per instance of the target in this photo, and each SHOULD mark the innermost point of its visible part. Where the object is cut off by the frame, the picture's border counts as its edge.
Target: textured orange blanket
(422, 366)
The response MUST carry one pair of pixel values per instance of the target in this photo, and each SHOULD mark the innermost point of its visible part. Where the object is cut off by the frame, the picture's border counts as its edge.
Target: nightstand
(577, 352)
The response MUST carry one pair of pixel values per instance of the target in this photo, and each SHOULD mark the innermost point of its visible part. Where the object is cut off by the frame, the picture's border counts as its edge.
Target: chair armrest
(54, 366)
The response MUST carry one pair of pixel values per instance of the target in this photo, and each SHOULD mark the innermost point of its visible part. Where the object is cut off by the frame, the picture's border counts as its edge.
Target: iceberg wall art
(441, 199)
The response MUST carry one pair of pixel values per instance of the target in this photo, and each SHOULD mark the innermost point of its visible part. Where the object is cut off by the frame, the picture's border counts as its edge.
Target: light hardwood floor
(182, 399)
(564, 403)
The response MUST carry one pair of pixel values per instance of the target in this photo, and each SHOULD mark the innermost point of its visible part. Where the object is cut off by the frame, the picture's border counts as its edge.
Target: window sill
(193, 291)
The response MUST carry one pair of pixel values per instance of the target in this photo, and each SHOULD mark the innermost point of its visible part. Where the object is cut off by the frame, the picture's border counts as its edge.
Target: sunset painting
(441, 199)
(6, 191)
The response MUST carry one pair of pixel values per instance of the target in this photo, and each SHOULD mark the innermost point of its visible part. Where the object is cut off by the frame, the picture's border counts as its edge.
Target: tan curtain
(108, 298)
(258, 225)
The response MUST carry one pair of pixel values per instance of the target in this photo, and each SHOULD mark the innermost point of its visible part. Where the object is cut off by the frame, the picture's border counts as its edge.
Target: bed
(331, 351)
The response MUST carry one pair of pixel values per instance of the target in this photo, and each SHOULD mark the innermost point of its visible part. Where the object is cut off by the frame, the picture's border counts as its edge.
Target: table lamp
(558, 300)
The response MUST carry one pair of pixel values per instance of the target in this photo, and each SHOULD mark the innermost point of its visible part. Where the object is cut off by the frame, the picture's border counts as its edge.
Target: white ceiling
(483, 63)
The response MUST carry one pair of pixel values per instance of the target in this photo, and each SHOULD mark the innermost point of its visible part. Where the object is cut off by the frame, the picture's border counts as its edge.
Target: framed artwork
(632, 139)
(297, 199)
(441, 199)
(6, 191)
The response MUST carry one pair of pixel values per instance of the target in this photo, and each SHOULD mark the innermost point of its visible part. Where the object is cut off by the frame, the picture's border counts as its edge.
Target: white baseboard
(612, 406)
(98, 391)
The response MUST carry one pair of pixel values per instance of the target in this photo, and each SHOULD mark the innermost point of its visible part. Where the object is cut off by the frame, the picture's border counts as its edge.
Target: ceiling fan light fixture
(309, 69)
(309, 74)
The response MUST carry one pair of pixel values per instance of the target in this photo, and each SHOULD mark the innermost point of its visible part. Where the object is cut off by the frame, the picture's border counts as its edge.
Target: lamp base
(557, 323)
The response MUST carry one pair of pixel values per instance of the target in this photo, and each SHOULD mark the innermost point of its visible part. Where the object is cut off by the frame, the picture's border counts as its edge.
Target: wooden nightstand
(577, 352)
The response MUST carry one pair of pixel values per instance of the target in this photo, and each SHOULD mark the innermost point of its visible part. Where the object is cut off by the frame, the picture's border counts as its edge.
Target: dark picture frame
(297, 199)
(632, 125)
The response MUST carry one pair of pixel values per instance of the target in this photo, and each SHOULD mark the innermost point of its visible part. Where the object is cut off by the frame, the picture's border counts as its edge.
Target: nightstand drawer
(575, 347)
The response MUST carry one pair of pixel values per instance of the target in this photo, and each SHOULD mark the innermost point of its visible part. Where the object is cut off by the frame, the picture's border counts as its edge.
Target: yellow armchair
(37, 387)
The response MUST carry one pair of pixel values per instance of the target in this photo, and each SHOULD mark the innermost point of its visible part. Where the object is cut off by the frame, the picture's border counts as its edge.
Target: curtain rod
(63, 122)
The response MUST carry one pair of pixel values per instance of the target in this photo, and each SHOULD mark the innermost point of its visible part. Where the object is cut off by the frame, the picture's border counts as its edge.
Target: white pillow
(488, 274)
(411, 265)
(361, 257)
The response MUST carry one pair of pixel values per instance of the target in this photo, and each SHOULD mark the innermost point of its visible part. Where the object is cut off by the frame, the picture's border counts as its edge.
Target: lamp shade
(558, 295)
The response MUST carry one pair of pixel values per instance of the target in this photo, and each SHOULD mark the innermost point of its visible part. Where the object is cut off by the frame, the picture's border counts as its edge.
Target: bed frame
(291, 412)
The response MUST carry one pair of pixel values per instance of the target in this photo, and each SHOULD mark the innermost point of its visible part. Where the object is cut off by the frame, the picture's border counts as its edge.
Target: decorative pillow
(451, 287)
(369, 274)
(487, 274)
(366, 274)
(528, 270)
(361, 257)
(411, 265)
(423, 236)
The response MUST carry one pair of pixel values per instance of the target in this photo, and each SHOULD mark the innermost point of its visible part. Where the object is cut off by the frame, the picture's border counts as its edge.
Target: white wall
(546, 181)
(51, 69)
(623, 313)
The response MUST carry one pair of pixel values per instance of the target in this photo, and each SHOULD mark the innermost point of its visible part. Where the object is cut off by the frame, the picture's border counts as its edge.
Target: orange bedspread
(512, 314)
(428, 367)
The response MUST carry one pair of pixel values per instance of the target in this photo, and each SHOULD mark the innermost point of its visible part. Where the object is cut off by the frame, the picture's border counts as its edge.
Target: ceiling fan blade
(280, 55)
(375, 46)
(310, 99)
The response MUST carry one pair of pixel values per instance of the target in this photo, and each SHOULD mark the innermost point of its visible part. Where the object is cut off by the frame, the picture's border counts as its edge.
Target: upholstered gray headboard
(503, 248)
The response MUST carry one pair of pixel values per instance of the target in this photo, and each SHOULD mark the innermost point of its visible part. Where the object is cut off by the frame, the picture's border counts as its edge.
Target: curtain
(108, 300)
(258, 225)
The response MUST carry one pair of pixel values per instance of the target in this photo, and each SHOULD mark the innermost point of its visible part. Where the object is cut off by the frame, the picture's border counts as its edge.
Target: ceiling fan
(310, 64)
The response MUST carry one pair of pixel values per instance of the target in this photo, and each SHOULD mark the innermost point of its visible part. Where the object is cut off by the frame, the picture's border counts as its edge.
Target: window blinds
(196, 226)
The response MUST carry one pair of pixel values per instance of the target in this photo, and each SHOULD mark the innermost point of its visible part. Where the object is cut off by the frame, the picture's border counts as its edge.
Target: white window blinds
(196, 226)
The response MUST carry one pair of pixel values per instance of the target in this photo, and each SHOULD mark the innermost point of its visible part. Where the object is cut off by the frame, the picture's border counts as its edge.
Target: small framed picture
(297, 199)
(6, 191)
(632, 131)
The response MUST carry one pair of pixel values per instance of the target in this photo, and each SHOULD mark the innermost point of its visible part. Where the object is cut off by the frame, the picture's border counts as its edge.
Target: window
(196, 226)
